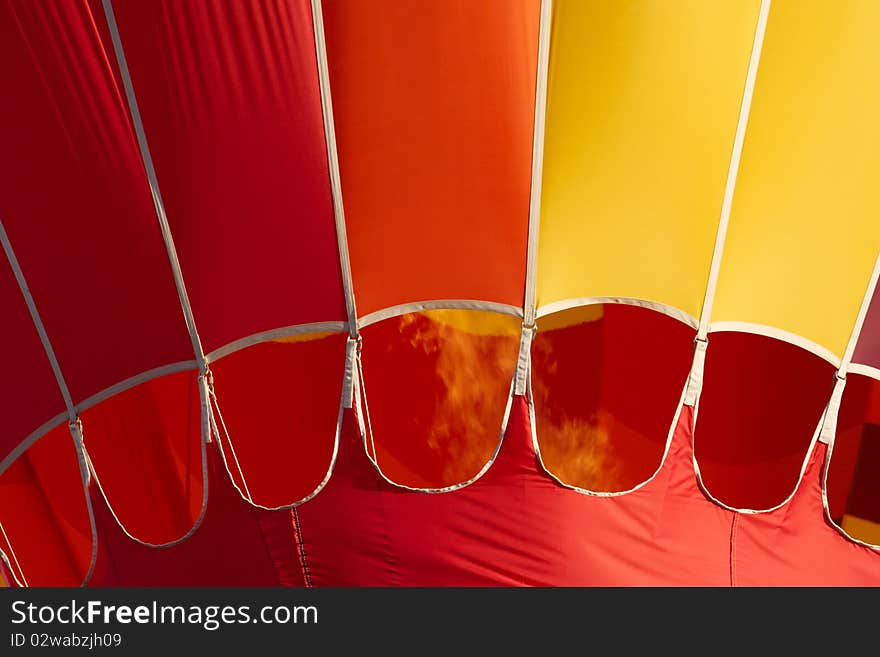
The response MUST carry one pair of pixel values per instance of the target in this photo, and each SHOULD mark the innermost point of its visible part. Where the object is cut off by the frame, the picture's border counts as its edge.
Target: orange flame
(575, 441)
(462, 362)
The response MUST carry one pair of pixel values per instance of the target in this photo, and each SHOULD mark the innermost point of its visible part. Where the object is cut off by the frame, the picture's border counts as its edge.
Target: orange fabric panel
(605, 393)
(434, 112)
(44, 514)
(437, 385)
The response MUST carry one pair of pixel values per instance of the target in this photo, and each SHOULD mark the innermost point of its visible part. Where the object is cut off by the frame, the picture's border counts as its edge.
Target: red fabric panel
(605, 394)
(145, 445)
(28, 388)
(43, 511)
(794, 546)
(513, 526)
(280, 402)
(75, 201)
(868, 347)
(437, 394)
(228, 93)
(761, 403)
(434, 111)
(236, 545)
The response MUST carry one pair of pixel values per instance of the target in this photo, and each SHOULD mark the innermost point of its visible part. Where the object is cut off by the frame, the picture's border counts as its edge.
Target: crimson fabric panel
(28, 388)
(868, 347)
(228, 93)
(279, 402)
(75, 202)
(146, 447)
(46, 529)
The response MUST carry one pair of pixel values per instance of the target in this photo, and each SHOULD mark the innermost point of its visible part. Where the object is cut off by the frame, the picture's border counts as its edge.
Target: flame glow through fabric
(439, 292)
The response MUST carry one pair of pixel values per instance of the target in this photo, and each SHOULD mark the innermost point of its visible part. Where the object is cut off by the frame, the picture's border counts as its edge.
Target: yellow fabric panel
(805, 225)
(643, 102)
(477, 322)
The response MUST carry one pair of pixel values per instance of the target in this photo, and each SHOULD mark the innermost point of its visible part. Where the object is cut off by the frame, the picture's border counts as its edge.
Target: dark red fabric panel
(760, 406)
(44, 514)
(228, 93)
(28, 387)
(236, 545)
(75, 201)
(145, 445)
(280, 403)
(605, 392)
(514, 526)
(868, 347)
(795, 546)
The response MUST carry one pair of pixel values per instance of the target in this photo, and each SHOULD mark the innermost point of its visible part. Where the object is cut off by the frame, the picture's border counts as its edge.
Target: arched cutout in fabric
(606, 381)
(145, 445)
(47, 535)
(853, 481)
(278, 407)
(761, 404)
(234, 545)
(436, 385)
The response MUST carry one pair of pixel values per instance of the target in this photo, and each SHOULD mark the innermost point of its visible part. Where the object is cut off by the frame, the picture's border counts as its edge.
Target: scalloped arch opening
(606, 382)
(853, 482)
(44, 514)
(759, 410)
(145, 444)
(279, 401)
(437, 384)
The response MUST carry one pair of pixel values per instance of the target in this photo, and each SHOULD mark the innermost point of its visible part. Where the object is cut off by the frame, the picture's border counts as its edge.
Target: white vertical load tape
(79, 440)
(153, 181)
(733, 168)
(695, 378)
(333, 165)
(349, 384)
(524, 360)
(529, 306)
(74, 424)
(205, 391)
(829, 420)
(523, 364)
